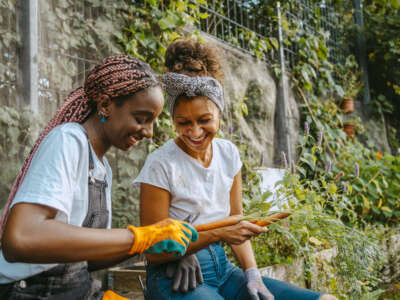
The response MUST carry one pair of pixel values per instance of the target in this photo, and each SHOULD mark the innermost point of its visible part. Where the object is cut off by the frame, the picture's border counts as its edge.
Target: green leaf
(166, 23)
(395, 3)
(203, 15)
(274, 43)
(366, 204)
(387, 209)
(315, 241)
(332, 188)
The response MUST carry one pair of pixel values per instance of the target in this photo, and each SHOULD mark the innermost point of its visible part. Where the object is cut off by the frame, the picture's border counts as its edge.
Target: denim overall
(71, 280)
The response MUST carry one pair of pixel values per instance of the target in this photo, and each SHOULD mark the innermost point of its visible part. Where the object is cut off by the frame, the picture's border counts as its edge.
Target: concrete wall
(249, 78)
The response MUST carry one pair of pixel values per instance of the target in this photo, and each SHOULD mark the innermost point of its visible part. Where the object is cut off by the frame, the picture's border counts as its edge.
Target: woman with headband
(199, 174)
(55, 227)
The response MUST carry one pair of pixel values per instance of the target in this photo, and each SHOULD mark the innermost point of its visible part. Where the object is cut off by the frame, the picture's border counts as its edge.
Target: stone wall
(250, 79)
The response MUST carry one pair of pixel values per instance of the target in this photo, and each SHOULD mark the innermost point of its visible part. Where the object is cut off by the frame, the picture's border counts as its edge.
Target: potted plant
(351, 84)
(352, 125)
(349, 129)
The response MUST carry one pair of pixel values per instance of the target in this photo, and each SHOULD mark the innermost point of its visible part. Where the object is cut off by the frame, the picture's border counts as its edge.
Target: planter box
(125, 280)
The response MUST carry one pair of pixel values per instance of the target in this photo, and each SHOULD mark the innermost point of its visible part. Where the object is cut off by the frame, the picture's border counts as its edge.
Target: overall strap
(91, 164)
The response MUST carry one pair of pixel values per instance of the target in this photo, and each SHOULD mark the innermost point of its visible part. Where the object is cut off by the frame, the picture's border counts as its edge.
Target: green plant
(322, 193)
(350, 77)
(356, 122)
(152, 25)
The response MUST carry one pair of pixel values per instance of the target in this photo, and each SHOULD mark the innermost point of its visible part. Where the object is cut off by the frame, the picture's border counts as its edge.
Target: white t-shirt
(193, 188)
(58, 177)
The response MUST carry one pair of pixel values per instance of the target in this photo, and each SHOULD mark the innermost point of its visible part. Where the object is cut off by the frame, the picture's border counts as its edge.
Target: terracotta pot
(349, 129)
(347, 105)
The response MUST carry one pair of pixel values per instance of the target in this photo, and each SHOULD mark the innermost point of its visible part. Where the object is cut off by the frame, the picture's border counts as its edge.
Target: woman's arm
(32, 235)
(154, 206)
(243, 252)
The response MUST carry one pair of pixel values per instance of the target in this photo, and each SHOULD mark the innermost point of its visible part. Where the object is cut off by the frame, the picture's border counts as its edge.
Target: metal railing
(316, 19)
(234, 21)
(231, 21)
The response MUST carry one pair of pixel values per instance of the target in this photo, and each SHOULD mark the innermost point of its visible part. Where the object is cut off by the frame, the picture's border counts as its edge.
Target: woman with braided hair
(199, 174)
(55, 227)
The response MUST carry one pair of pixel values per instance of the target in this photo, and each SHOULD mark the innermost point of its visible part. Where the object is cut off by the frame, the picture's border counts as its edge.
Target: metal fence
(315, 19)
(235, 21)
(231, 21)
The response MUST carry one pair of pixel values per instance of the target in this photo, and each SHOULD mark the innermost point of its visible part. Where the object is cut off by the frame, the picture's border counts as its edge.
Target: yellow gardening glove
(168, 235)
(110, 295)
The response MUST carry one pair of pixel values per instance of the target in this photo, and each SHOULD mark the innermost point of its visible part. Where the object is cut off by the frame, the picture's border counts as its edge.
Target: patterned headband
(176, 85)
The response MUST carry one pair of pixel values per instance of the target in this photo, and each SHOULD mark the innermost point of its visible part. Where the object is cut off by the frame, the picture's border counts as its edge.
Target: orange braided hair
(116, 76)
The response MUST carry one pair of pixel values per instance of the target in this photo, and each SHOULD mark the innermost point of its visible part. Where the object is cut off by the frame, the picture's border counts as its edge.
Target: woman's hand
(168, 235)
(256, 286)
(186, 273)
(239, 233)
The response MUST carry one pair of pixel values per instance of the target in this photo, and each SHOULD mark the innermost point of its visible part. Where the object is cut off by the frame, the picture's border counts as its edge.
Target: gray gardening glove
(186, 273)
(256, 287)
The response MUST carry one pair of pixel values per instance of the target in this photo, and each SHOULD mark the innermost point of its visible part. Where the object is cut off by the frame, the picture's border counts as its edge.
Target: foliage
(314, 73)
(356, 264)
(358, 185)
(351, 79)
(316, 78)
(322, 196)
(382, 24)
(152, 25)
(337, 189)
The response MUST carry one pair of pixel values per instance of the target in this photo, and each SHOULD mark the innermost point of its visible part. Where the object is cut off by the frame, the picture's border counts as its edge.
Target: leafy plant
(325, 214)
(350, 79)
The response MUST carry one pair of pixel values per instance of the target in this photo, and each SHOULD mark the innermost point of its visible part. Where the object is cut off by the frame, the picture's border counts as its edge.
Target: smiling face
(133, 120)
(197, 122)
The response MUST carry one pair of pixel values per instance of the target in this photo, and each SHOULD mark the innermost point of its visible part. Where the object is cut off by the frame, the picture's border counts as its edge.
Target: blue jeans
(222, 280)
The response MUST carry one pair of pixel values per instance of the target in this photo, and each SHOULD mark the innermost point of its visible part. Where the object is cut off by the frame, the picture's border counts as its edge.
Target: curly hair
(194, 58)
